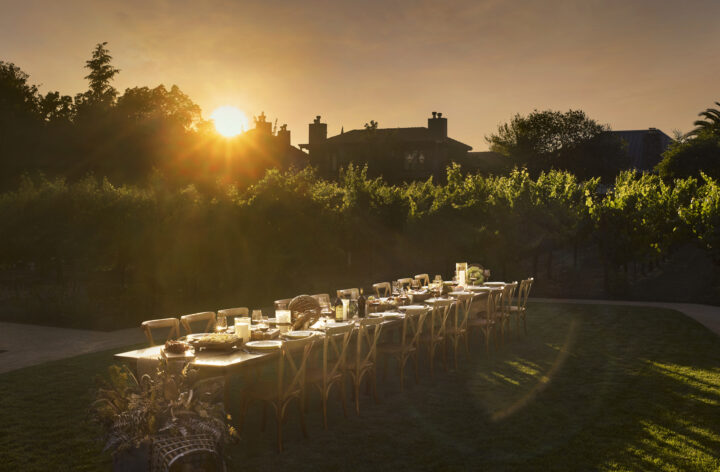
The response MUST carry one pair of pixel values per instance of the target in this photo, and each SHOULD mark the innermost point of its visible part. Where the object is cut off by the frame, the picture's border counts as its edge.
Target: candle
(282, 316)
(242, 329)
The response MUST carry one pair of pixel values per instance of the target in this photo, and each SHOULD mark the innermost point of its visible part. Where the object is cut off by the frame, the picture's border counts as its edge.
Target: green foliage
(570, 141)
(710, 122)
(164, 248)
(689, 157)
(173, 402)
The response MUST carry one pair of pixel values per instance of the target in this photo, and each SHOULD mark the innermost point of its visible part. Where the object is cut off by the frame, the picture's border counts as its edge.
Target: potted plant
(476, 275)
(174, 403)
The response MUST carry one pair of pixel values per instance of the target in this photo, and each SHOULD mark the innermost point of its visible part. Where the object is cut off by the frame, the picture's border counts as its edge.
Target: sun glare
(229, 121)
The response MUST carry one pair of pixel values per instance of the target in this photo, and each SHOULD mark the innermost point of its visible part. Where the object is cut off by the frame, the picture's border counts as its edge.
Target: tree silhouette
(101, 93)
(710, 123)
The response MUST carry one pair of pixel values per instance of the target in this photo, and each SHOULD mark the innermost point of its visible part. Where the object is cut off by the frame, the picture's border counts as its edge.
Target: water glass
(221, 324)
(257, 316)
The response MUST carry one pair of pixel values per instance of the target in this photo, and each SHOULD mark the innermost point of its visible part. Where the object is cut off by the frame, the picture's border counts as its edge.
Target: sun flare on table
(229, 121)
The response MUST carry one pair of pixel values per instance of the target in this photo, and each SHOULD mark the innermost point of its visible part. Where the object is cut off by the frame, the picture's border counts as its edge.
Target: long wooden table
(237, 361)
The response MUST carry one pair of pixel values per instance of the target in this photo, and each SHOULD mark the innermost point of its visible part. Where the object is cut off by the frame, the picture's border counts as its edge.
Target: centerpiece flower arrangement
(173, 403)
(476, 275)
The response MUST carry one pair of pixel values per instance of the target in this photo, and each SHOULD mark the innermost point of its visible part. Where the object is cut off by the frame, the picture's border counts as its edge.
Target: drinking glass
(221, 324)
(257, 316)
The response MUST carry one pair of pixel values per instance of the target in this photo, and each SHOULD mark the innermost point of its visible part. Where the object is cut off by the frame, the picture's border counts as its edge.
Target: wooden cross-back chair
(353, 293)
(232, 313)
(408, 347)
(405, 282)
(423, 278)
(458, 331)
(173, 324)
(289, 385)
(382, 289)
(334, 356)
(520, 308)
(503, 312)
(486, 320)
(362, 365)
(437, 332)
(204, 318)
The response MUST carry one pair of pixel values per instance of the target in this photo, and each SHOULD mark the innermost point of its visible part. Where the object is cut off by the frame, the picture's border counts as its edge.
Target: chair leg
(303, 427)
(280, 415)
(324, 394)
(357, 396)
(343, 398)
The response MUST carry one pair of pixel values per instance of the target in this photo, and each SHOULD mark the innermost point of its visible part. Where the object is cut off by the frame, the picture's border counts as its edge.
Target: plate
(412, 307)
(494, 284)
(389, 315)
(269, 345)
(375, 315)
(300, 334)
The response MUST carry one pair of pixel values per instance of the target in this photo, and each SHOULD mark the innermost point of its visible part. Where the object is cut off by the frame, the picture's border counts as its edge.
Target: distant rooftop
(416, 134)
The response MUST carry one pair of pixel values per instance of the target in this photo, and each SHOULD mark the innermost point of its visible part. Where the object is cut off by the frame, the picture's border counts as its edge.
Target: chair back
(353, 293)
(508, 294)
(439, 317)
(423, 278)
(335, 346)
(382, 289)
(405, 282)
(292, 364)
(524, 292)
(367, 339)
(233, 312)
(493, 303)
(164, 323)
(412, 330)
(205, 318)
(462, 310)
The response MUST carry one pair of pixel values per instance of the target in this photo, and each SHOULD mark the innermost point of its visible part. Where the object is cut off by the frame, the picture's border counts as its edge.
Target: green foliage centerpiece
(174, 403)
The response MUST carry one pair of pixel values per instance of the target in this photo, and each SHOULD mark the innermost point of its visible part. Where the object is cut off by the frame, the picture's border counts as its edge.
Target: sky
(631, 64)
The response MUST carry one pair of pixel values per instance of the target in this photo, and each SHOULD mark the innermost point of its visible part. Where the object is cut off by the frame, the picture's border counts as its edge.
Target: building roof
(416, 134)
(641, 143)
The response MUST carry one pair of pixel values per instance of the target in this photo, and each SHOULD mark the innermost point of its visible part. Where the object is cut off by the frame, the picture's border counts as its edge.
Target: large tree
(710, 122)
(102, 72)
(545, 140)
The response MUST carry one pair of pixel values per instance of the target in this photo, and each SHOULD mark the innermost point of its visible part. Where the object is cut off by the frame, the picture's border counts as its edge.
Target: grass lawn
(590, 388)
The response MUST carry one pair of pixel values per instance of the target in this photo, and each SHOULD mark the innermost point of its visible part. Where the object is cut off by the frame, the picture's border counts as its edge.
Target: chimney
(317, 133)
(262, 125)
(437, 125)
(283, 135)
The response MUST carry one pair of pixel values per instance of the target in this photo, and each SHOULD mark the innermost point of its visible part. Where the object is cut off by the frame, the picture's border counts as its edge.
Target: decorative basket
(304, 309)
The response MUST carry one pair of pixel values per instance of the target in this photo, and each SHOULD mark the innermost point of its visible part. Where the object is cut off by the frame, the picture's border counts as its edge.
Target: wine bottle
(361, 305)
(339, 311)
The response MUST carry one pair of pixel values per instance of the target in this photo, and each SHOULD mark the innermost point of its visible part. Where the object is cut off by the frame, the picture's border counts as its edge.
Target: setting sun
(229, 121)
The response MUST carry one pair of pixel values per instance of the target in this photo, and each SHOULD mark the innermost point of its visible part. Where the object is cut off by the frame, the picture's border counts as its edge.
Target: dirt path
(707, 315)
(28, 345)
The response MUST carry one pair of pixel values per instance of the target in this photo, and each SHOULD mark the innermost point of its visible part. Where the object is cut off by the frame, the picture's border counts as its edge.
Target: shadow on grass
(590, 388)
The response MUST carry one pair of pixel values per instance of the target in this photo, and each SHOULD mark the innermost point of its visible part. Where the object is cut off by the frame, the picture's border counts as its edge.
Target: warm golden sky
(630, 63)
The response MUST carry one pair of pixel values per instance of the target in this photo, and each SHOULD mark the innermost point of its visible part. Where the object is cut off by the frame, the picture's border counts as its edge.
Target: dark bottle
(361, 305)
(338, 307)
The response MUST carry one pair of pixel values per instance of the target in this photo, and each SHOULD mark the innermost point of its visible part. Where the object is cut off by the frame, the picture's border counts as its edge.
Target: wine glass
(221, 324)
(257, 316)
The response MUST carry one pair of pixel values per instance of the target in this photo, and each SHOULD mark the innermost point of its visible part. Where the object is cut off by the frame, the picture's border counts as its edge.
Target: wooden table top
(222, 361)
